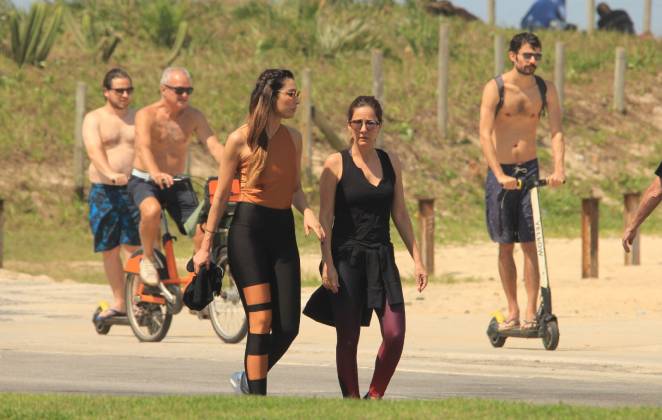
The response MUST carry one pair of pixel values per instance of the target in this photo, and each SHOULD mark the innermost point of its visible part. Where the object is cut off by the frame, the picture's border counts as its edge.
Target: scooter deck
(520, 333)
(116, 320)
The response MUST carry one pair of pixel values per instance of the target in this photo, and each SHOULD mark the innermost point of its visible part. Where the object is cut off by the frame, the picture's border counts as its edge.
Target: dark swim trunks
(180, 199)
(508, 212)
(112, 217)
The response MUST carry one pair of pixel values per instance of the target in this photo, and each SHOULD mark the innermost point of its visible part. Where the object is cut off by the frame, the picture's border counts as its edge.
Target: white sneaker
(148, 272)
(239, 383)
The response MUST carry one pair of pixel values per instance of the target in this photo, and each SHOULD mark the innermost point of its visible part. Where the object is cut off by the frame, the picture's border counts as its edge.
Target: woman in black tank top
(360, 190)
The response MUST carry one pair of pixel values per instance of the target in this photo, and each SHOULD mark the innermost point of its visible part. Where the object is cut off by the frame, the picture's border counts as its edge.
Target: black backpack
(542, 87)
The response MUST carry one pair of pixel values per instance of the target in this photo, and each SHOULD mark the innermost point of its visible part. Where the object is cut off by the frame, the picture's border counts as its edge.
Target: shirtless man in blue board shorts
(510, 111)
(163, 132)
(108, 134)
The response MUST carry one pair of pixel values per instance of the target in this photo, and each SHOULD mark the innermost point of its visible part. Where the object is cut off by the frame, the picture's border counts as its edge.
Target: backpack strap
(542, 87)
(499, 83)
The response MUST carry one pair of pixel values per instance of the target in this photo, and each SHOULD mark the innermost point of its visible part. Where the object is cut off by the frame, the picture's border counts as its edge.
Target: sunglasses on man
(180, 90)
(528, 56)
(122, 91)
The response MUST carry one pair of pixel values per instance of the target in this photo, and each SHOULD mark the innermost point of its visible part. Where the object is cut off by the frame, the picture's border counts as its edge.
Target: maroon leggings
(348, 304)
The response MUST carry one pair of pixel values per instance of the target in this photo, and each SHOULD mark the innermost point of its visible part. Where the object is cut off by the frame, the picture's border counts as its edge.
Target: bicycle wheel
(226, 312)
(149, 321)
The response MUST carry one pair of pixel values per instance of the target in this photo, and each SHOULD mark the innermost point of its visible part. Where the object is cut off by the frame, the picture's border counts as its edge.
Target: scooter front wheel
(99, 326)
(497, 340)
(550, 338)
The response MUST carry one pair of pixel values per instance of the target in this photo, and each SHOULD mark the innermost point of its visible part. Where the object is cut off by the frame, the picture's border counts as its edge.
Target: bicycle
(150, 308)
(226, 312)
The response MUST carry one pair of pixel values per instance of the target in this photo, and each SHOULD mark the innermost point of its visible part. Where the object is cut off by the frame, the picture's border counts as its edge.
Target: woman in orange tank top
(262, 246)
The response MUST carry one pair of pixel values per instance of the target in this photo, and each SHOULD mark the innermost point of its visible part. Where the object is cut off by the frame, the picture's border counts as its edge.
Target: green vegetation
(32, 35)
(228, 43)
(15, 406)
(95, 38)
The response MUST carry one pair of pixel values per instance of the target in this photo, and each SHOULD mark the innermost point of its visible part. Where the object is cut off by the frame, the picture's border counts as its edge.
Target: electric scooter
(548, 327)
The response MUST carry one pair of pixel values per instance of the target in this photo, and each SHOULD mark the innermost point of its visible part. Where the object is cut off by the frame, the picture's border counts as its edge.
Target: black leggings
(262, 249)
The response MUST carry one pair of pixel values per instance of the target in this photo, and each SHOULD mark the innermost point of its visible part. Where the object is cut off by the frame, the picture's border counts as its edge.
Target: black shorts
(508, 212)
(179, 200)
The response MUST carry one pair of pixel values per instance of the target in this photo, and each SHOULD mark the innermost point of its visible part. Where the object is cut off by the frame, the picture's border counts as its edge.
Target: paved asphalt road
(48, 344)
(52, 372)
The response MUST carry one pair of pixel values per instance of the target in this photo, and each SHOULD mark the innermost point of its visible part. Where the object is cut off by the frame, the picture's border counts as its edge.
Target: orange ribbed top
(277, 183)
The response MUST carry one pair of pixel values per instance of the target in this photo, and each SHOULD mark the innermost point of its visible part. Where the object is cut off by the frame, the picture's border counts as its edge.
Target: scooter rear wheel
(550, 338)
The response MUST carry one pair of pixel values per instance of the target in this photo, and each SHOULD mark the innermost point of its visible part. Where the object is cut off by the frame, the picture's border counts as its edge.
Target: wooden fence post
(378, 83)
(590, 213)
(442, 82)
(499, 54)
(491, 12)
(426, 220)
(328, 130)
(619, 80)
(187, 165)
(307, 124)
(2, 230)
(630, 204)
(648, 11)
(590, 16)
(559, 72)
(79, 156)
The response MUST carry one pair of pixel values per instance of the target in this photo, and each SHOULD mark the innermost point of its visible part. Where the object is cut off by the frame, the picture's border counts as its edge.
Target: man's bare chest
(115, 133)
(521, 103)
(171, 132)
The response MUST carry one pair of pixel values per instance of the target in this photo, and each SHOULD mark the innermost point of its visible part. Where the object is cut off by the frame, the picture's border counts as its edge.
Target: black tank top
(362, 211)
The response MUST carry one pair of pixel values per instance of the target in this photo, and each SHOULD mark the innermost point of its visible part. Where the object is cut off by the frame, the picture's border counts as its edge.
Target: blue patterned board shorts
(508, 212)
(113, 217)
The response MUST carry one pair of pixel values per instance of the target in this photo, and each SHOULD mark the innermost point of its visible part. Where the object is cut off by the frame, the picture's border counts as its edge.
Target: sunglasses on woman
(369, 124)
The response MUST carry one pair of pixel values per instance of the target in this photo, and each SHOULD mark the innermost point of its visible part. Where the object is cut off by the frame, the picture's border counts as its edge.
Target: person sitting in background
(546, 14)
(446, 8)
(614, 20)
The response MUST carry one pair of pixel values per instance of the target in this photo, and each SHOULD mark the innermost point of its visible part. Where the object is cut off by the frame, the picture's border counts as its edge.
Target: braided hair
(260, 108)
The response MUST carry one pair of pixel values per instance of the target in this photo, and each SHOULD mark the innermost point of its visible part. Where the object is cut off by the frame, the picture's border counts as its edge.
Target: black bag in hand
(204, 286)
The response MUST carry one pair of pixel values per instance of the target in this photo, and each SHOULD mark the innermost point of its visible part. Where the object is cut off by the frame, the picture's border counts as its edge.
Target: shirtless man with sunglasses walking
(163, 131)
(510, 113)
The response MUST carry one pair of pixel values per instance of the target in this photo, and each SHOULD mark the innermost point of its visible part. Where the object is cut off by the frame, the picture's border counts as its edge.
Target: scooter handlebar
(531, 183)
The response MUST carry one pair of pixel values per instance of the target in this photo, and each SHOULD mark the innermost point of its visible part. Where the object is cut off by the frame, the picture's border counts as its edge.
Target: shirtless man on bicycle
(108, 134)
(510, 113)
(163, 131)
